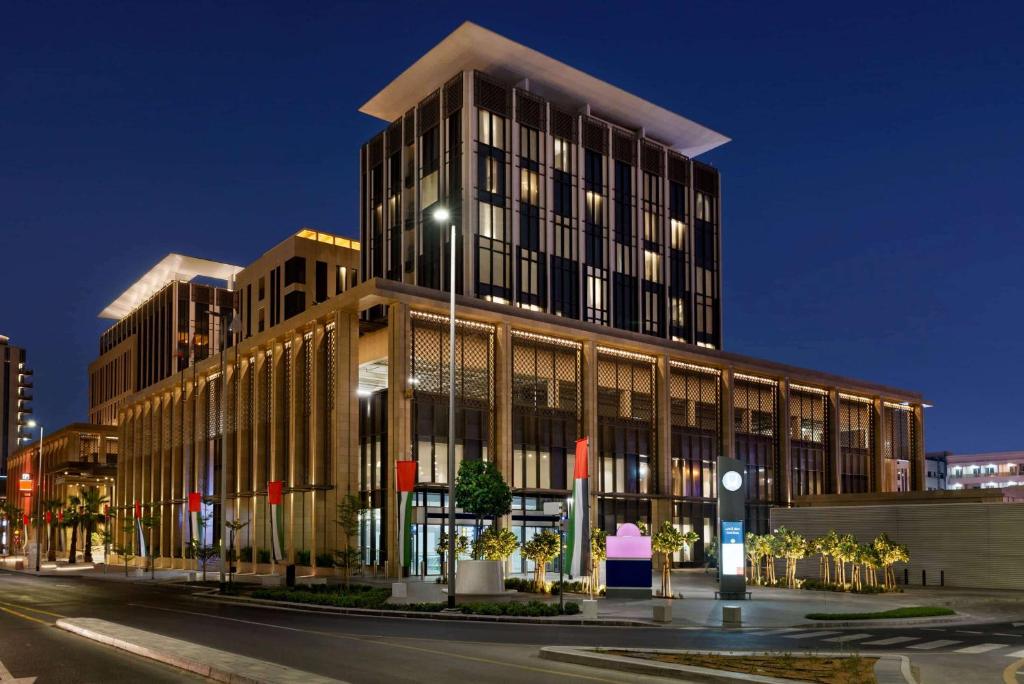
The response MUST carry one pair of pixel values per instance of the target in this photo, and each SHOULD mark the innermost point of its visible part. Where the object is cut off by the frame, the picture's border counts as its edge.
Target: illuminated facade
(15, 398)
(990, 470)
(588, 281)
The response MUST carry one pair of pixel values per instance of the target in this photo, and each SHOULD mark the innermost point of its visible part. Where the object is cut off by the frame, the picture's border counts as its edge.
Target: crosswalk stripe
(808, 635)
(1015, 654)
(787, 630)
(980, 648)
(890, 641)
(929, 645)
(848, 637)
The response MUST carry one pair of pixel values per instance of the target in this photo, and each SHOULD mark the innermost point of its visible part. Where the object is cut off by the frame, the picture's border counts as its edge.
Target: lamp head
(441, 214)
(31, 423)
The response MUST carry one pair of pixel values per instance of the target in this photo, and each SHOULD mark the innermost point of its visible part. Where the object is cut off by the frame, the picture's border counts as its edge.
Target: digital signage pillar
(732, 503)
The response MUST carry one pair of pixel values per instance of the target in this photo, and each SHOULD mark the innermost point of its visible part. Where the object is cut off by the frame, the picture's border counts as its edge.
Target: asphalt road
(362, 649)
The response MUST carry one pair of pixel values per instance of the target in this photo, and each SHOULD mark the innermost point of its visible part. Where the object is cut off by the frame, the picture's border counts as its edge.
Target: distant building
(990, 470)
(935, 468)
(164, 323)
(15, 395)
(305, 270)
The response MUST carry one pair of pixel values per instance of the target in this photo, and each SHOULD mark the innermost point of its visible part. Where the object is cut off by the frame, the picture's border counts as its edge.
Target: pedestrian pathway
(827, 639)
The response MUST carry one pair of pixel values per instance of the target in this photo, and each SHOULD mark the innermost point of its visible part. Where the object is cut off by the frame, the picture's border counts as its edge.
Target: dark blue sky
(873, 187)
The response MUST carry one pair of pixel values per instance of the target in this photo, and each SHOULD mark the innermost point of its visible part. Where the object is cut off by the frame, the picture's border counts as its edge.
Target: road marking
(1011, 671)
(787, 630)
(980, 648)
(1005, 634)
(890, 641)
(848, 637)
(808, 635)
(6, 676)
(34, 610)
(929, 645)
(1015, 654)
(967, 631)
(382, 642)
(22, 615)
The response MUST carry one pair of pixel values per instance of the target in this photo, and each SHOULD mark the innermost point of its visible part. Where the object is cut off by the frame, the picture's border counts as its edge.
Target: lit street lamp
(39, 495)
(442, 216)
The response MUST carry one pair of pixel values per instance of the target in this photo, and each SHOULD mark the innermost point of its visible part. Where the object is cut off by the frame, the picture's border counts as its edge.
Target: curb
(419, 615)
(898, 622)
(889, 669)
(177, 660)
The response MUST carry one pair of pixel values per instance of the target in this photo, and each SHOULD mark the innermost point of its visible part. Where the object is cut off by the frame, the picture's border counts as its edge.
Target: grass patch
(819, 669)
(895, 613)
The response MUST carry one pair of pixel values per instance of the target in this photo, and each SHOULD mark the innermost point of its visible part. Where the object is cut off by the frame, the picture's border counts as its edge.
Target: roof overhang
(473, 47)
(172, 267)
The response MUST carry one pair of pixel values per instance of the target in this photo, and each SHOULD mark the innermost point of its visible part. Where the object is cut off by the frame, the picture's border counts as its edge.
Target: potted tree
(481, 491)
(542, 549)
(668, 541)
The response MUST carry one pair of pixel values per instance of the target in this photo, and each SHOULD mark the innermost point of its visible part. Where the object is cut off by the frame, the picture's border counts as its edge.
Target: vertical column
(399, 411)
(590, 425)
(835, 466)
(293, 525)
(503, 400)
(918, 466)
(346, 418)
(260, 453)
(878, 480)
(728, 415)
(785, 460)
(175, 542)
(316, 441)
(661, 503)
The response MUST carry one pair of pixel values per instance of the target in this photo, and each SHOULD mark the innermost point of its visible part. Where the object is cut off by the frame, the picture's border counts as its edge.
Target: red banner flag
(138, 510)
(48, 516)
(24, 519)
(194, 502)
(274, 491)
(406, 475)
(580, 469)
(60, 516)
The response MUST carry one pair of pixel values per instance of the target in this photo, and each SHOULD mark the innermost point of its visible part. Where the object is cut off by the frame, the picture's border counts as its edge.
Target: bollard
(290, 575)
(399, 590)
(906, 576)
(732, 616)
(663, 613)
(589, 611)
(942, 578)
(924, 578)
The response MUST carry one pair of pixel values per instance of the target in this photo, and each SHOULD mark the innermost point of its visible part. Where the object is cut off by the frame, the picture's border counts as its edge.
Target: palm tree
(9, 512)
(52, 506)
(92, 503)
(72, 517)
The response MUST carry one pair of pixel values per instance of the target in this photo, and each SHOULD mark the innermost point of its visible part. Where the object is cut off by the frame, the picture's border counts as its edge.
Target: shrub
(529, 609)
(263, 556)
(905, 612)
(245, 554)
(324, 560)
(302, 557)
(366, 598)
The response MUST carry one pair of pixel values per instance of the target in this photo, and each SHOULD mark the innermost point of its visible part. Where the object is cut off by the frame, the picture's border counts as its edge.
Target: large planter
(480, 577)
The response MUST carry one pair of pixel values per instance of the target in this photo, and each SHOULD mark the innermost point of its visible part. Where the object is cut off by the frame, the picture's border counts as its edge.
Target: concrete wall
(978, 545)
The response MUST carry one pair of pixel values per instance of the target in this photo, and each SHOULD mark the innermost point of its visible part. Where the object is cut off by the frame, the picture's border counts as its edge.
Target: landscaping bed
(895, 613)
(819, 669)
(362, 596)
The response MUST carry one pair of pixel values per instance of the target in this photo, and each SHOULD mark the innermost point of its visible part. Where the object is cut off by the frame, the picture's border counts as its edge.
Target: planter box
(480, 577)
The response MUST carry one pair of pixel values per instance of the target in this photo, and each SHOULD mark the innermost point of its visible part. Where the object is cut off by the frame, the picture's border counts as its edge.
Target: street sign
(26, 484)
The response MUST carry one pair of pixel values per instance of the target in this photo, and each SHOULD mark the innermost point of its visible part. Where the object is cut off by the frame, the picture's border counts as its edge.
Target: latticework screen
(808, 433)
(856, 443)
(474, 392)
(755, 420)
(696, 421)
(546, 411)
(625, 407)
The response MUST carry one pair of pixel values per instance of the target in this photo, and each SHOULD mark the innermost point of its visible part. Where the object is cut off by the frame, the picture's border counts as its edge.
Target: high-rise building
(167, 320)
(569, 195)
(588, 273)
(15, 395)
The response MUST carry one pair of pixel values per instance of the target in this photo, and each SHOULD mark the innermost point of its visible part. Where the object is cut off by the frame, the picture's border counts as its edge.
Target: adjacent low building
(989, 470)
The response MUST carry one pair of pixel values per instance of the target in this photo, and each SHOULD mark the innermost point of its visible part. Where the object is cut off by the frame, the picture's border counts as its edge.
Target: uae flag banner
(406, 477)
(579, 515)
(139, 531)
(275, 491)
(195, 502)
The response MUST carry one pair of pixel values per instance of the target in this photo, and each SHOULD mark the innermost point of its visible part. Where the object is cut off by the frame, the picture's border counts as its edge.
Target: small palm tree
(72, 519)
(52, 506)
(92, 504)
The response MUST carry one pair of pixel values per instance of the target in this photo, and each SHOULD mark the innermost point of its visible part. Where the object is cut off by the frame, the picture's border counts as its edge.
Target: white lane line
(980, 648)
(929, 645)
(890, 641)
(1015, 654)
(967, 631)
(1005, 634)
(848, 637)
(787, 630)
(808, 635)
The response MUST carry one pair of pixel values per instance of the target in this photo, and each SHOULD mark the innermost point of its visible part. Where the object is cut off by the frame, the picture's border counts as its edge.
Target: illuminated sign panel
(25, 484)
(733, 557)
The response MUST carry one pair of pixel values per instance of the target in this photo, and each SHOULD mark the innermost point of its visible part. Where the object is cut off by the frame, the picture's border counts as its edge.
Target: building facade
(568, 195)
(989, 470)
(15, 407)
(588, 286)
(936, 470)
(165, 322)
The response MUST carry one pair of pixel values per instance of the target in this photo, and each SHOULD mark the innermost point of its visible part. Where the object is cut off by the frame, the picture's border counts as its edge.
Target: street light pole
(39, 500)
(441, 215)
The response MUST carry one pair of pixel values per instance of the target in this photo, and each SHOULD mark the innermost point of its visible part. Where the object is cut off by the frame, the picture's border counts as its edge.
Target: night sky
(873, 187)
